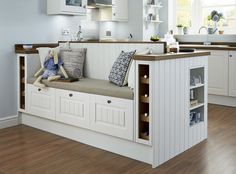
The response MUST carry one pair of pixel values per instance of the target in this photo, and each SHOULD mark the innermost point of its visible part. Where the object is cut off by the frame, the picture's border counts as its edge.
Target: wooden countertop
(168, 56)
(209, 47)
(20, 50)
(118, 41)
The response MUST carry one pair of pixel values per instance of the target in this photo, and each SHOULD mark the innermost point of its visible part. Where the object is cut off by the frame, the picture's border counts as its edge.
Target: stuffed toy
(51, 66)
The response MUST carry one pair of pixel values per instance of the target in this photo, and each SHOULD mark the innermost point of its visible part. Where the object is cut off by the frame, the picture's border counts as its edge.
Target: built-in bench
(91, 86)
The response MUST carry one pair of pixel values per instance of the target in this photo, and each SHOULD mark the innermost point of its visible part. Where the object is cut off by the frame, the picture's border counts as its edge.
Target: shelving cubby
(197, 96)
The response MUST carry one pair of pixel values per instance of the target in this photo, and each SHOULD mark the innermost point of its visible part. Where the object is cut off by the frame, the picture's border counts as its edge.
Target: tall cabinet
(232, 73)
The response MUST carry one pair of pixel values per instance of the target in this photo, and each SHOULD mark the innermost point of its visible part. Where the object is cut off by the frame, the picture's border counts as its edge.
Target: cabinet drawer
(72, 108)
(112, 116)
(41, 102)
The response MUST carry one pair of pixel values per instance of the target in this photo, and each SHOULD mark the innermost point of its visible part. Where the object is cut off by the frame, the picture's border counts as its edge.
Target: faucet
(203, 27)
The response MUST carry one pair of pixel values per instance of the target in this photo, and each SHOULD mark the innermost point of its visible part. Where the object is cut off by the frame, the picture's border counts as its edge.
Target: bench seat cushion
(93, 86)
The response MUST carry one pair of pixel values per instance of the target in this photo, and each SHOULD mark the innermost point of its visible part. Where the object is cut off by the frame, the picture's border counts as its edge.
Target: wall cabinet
(232, 73)
(68, 7)
(72, 108)
(41, 102)
(218, 73)
(112, 116)
(118, 12)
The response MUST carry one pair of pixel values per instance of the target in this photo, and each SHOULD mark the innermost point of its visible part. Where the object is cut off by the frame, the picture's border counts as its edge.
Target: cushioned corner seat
(92, 86)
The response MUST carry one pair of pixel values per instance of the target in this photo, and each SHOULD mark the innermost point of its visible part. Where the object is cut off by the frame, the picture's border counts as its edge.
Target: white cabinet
(232, 73)
(41, 102)
(112, 116)
(120, 10)
(218, 73)
(72, 108)
(68, 7)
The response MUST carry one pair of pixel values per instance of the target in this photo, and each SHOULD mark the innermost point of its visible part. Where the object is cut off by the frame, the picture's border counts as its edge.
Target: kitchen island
(159, 121)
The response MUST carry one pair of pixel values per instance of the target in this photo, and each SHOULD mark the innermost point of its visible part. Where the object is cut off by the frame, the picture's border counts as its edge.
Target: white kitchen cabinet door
(112, 116)
(67, 7)
(120, 10)
(41, 102)
(72, 108)
(218, 73)
(232, 73)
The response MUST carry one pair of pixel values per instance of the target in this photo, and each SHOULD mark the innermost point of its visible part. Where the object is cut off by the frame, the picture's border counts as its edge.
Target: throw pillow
(120, 68)
(73, 61)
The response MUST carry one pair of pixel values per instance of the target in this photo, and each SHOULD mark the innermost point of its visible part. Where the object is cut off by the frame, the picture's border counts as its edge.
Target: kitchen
(46, 23)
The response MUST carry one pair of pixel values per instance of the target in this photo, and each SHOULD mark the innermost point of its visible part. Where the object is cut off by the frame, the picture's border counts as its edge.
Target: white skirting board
(9, 122)
(119, 146)
(222, 100)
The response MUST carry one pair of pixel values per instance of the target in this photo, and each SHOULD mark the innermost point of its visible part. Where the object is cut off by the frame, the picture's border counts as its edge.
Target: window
(194, 14)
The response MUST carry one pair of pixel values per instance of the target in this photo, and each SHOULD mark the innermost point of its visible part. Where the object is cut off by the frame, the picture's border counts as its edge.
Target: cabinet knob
(39, 89)
(70, 95)
(114, 14)
(109, 101)
(230, 55)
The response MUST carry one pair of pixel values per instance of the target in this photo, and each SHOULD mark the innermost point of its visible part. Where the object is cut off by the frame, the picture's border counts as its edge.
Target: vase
(180, 30)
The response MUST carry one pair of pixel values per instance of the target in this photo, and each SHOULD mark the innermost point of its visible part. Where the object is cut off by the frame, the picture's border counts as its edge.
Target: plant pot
(180, 30)
(221, 31)
(185, 30)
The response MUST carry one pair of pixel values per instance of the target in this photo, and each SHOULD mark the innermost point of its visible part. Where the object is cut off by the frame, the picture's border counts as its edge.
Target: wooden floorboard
(25, 150)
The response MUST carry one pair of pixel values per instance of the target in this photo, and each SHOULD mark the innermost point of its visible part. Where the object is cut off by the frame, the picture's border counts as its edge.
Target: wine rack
(22, 82)
(144, 106)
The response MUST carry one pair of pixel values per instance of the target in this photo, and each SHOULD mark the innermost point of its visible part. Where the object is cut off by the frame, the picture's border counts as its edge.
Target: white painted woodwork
(109, 143)
(232, 73)
(112, 116)
(101, 56)
(72, 108)
(59, 7)
(117, 13)
(41, 102)
(218, 73)
(172, 133)
(120, 10)
(32, 65)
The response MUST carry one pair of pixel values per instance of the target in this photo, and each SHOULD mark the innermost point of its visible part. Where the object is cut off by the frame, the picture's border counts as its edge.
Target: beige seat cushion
(93, 86)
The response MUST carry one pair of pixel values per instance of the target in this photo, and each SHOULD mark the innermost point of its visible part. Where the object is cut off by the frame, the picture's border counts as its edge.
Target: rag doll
(52, 64)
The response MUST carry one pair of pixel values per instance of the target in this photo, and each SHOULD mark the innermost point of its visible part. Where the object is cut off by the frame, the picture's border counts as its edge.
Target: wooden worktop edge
(158, 57)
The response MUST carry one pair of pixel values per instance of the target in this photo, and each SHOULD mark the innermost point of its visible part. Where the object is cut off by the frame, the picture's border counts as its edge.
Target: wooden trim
(158, 57)
(115, 42)
(213, 46)
(20, 50)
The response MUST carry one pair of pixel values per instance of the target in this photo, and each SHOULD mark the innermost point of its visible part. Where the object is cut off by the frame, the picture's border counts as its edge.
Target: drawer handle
(70, 95)
(39, 89)
(109, 101)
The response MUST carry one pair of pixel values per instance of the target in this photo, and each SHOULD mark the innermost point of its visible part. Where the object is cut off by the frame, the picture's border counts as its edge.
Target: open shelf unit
(152, 14)
(22, 82)
(144, 106)
(197, 93)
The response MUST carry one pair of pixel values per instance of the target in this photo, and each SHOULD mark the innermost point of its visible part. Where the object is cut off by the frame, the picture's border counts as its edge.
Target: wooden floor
(24, 150)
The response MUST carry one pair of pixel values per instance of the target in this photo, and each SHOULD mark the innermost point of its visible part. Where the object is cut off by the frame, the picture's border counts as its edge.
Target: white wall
(25, 21)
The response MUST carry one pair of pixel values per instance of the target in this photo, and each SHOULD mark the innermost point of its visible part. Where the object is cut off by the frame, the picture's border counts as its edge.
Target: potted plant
(214, 17)
(180, 29)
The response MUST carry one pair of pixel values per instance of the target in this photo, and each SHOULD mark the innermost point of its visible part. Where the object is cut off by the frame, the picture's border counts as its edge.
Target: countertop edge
(169, 56)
